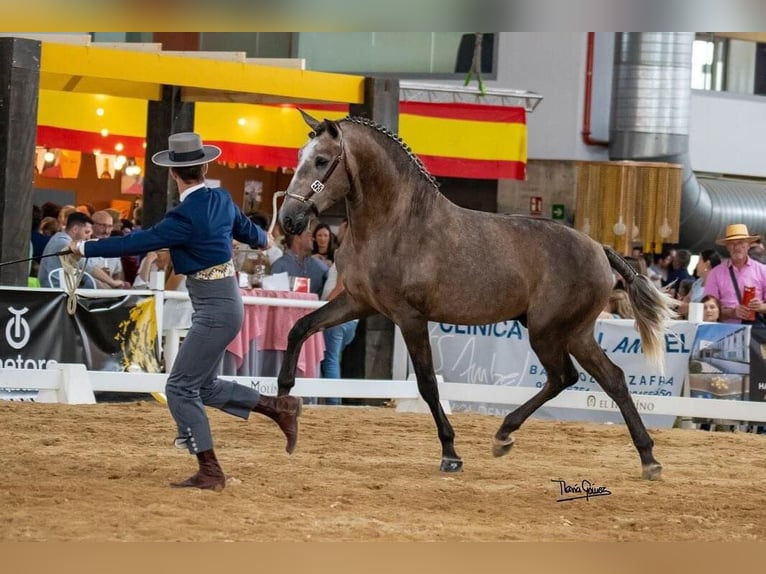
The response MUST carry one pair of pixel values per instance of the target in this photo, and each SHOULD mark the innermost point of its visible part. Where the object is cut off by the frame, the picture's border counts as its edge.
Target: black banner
(757, 364)
(105, 334)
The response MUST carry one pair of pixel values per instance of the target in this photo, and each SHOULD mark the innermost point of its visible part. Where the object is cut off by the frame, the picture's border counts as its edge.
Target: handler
(199, 233)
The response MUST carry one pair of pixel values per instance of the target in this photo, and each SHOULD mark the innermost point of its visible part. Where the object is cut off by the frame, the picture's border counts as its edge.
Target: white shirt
(191, 190)
(329, 284)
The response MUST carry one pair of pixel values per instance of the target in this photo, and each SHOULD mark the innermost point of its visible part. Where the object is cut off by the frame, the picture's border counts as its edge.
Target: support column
(168, 116)
(371, 353)
(19, 89)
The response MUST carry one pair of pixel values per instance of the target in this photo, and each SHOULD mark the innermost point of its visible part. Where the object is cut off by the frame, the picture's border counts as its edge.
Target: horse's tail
(651, 306)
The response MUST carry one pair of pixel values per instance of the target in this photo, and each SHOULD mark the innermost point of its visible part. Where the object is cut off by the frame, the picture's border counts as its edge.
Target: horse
(414, 256)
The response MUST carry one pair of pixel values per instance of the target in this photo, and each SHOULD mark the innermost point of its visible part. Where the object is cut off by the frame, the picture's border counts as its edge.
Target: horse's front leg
(341, 309)
(415, 333)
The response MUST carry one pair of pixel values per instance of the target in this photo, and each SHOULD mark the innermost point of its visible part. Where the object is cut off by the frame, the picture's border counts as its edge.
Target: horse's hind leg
(561, 373)
(415, 333)
(611, 378)
(342, 308)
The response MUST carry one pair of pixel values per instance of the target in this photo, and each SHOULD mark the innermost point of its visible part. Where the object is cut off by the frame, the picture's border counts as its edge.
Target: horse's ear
(312, 123)
(332, 127)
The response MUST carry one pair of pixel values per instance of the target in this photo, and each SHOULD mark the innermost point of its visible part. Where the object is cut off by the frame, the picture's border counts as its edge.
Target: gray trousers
(193, 383)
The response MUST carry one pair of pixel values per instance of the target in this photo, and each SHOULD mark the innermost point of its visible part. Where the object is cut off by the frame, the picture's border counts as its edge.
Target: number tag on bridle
(317, 186)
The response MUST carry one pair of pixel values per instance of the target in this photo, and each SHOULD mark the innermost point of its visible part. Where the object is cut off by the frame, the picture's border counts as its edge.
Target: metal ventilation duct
(651, 97)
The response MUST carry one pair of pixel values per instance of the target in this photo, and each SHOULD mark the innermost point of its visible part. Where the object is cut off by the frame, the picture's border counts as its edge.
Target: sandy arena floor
(100, 473)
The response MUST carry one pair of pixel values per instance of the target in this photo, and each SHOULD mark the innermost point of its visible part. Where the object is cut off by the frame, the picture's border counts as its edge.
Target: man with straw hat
(729, 280)
(199, 233)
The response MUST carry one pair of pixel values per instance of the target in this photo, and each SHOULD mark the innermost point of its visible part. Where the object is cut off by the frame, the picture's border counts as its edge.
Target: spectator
(728, 280)
(708, 259)
(111, 266)
(49, 226)
(297, 261)
(336, 338)
(757, 251)
(711, 309)
(618, 306)
(116, 220)
(678, 270)
(50, 209)
(64, 214)
(86, 208)
(324, 244)
(37, 239)
(658, 271)
(79, 227)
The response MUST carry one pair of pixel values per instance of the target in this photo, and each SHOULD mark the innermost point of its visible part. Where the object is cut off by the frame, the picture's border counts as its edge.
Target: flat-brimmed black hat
(186, 149)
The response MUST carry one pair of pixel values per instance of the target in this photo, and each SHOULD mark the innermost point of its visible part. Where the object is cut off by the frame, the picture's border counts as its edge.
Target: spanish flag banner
(452, 139)
(473, 141)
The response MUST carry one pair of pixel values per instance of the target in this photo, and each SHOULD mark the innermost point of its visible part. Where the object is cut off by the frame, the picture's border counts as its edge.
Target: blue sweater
(199, 233)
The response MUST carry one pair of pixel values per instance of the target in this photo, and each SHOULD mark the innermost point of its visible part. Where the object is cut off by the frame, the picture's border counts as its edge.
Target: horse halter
(318, 185)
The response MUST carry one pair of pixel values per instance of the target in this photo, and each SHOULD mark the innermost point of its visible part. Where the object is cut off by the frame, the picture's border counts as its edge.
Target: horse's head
(319, 180)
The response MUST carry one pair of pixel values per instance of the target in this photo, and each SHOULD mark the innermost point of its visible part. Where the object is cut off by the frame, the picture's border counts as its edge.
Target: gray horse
(413, 256)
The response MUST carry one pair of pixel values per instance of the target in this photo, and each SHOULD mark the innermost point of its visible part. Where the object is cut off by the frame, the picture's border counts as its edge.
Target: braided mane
(391, 135)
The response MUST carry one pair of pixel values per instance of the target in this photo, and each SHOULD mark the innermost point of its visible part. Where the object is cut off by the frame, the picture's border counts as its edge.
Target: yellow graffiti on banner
(137, 336)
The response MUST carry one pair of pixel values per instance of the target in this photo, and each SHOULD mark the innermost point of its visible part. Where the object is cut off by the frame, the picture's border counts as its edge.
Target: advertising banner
(105, 334)
(757, 386)
(499, 354)
(719, 366)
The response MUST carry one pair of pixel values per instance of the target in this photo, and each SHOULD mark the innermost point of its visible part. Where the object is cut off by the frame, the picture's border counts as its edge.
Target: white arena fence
(74, 384)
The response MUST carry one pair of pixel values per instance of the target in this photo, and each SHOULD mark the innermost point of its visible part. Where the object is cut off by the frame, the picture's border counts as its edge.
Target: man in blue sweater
(199, 233)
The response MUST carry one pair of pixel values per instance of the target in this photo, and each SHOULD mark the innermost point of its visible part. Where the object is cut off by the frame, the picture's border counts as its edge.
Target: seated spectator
(711, 309)
(79, 227)
(49, 226)
(64, 215)
(297, 262)
(324, 244)
(678, 270)
(618, 306)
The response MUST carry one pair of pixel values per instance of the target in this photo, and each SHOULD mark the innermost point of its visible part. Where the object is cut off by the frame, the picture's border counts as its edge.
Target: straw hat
(735, 232)
(186, 149)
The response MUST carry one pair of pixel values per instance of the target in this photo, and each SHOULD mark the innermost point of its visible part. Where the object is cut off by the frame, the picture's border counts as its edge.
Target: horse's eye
(320, 162)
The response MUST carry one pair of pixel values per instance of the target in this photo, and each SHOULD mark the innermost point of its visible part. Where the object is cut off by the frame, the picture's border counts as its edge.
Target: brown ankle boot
(209, 476)
(284, 411)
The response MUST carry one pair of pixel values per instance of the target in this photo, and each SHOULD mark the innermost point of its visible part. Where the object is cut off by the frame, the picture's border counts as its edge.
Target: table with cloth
(259, 347)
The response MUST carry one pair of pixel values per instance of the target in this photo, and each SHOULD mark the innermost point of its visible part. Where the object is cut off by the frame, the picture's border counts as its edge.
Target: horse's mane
(398, 140)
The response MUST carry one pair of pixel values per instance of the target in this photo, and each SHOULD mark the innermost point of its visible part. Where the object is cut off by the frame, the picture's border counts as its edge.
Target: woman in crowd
(324, 244)
(711, 309)
(618, 306)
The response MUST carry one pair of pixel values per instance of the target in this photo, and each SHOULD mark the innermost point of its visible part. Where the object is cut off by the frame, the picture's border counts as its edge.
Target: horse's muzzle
(295, 224)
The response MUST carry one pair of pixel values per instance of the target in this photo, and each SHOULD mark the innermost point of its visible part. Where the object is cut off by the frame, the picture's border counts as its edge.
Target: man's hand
(76, 255)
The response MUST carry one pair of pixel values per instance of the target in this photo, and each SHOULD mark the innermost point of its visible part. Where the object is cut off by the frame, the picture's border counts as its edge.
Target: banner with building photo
(499, 354)
(105, 334)
(719, 366)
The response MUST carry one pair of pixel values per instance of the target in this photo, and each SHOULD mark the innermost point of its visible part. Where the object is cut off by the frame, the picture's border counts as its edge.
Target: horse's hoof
(651, 471)
(502, 447)
(451, 465)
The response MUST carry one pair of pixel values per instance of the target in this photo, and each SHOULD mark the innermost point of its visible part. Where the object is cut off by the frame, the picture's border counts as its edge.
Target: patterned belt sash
(215, 272)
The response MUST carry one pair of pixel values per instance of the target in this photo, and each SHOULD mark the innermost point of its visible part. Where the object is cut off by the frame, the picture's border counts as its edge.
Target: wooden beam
(132, 66)
(19, 87)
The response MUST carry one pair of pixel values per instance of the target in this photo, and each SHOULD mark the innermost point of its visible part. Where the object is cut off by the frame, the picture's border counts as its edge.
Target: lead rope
(274, 212)
(72, 277)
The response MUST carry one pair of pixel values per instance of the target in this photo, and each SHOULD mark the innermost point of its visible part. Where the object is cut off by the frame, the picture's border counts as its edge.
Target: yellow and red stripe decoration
(472, 141)
(452, 140)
